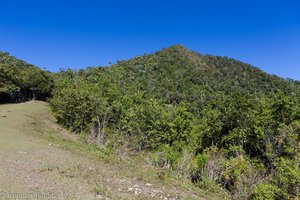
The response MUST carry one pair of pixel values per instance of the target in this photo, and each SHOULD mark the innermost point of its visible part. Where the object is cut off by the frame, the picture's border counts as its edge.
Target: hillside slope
(20, 81)
(40, 158)
(218, 122)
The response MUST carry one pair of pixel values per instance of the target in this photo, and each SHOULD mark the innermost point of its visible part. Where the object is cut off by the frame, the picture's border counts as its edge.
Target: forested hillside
(20, 81)
(224, 125)
(221, 123)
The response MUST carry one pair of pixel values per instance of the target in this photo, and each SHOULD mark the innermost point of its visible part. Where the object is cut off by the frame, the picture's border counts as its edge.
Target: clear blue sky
(59, 34)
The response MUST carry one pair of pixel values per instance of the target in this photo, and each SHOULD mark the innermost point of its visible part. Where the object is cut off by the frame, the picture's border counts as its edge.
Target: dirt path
(32, 167)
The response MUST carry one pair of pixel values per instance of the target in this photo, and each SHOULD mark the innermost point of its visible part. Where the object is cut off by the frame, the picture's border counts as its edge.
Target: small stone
(148, 184)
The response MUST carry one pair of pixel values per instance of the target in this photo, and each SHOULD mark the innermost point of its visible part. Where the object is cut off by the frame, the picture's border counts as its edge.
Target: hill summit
(175, 71)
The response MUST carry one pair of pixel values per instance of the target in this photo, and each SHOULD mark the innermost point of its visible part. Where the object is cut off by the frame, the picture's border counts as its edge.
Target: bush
(265, 191)
(166, 157)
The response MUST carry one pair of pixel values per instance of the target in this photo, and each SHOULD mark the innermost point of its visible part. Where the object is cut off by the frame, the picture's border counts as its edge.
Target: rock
(137, 192)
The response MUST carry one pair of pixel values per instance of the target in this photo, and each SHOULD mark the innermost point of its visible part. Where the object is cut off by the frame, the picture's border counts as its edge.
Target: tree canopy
(229, 124)
(20, 81)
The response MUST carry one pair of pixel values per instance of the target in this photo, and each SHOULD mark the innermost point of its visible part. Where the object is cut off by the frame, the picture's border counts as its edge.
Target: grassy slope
(38, 156)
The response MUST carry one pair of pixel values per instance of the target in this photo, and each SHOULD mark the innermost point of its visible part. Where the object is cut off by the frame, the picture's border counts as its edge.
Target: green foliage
(265, 191)
(236, 175)
(287, 177)
(201, 160)
(156, 124)
(20, 81)
(222, 122)
(166, 156)
(209, 185)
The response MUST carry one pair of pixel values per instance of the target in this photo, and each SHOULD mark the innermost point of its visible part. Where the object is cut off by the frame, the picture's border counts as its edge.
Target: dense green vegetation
(221, 123)
(20, 81)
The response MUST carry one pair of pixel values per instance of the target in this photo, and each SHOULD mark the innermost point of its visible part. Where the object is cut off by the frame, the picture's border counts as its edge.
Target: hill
(183, 72)
(221, 123)
(20, 81)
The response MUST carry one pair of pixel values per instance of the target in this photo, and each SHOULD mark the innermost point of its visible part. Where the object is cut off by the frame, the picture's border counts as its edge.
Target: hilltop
(180, 71)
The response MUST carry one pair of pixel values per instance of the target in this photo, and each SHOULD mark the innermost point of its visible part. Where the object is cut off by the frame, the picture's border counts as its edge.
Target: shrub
(265, 191)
